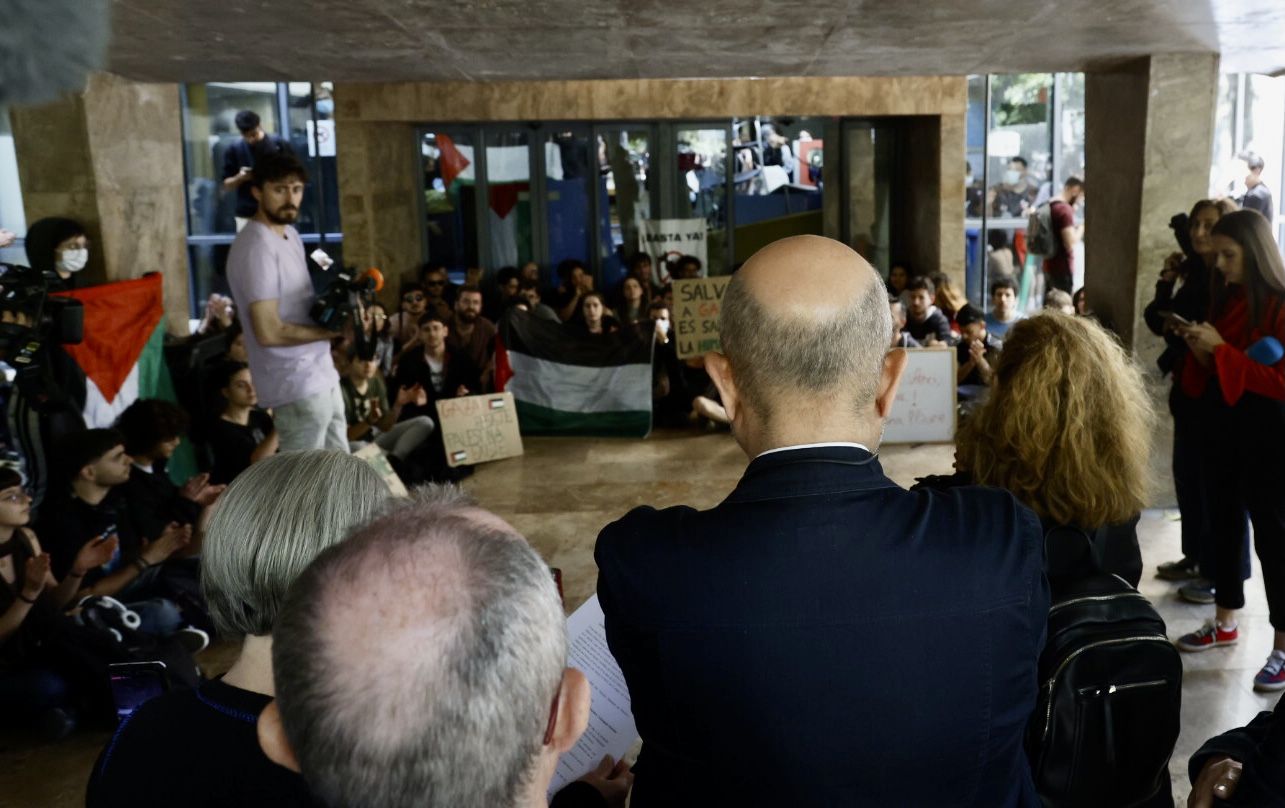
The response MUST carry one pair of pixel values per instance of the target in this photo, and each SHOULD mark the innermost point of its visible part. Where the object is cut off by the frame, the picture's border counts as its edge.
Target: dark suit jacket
(824, 637)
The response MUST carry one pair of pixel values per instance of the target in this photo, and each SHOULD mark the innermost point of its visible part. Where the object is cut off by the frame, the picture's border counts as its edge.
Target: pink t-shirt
(265, 266)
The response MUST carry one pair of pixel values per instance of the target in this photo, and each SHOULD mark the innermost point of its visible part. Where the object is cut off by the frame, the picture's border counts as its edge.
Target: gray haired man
(422, 662)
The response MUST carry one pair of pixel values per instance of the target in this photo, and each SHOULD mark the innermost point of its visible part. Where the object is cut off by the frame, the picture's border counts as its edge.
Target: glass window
(567, 173)
(1019, 144)
(777, 180)
(1265, 128)
(701, 162)
(508, 188)
(624, 197)
(870, 159)
(12, 217)
(450, 199)
(209, 131)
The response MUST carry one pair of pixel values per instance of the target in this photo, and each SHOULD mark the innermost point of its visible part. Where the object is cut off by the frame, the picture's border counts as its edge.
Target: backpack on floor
(1039, 232)
(1107, 716)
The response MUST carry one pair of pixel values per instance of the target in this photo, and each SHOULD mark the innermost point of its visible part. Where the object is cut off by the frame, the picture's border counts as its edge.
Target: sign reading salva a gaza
(695, 315)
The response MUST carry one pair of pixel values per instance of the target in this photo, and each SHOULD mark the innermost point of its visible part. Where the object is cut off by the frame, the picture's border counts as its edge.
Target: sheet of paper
(611, 728)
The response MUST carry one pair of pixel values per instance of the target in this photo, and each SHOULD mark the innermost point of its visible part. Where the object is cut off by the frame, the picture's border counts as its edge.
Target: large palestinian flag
(122, 354)
(566, 384)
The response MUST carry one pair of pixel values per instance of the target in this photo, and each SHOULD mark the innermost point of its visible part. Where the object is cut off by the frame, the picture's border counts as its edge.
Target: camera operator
(289, 356)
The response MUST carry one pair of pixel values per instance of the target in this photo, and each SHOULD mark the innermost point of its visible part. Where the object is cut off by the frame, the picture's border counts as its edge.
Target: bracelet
(141, 563)
(27, 600)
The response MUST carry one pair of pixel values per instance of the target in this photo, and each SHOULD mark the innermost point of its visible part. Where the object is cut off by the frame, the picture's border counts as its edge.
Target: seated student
(1244, 766)
(372, 418)
(414, 303)
(530, 291)
(1003, 313)
(440, 373)
(453, 693)
(687, 267)
(640, 269)
(924, 321)
(236, 344)
(471, 334)
(200, 747)
(591, 318)
(242, 433)
(780, 633)
(379, 336)
(948, 299)
(152, 429)
(507, 282)
(40, 689)
(1058, 300)
(574, 281)
(900, 337)
(977, 352)
(632, 306)
(1076, 453)
(140, 574)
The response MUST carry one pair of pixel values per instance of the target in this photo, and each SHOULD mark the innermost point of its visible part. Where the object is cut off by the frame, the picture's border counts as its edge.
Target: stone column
(111, 157)
(1148, 147)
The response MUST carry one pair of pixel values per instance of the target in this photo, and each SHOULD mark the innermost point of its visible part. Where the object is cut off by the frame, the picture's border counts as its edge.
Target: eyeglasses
(417, 298)
(379, 315)
(16, 496)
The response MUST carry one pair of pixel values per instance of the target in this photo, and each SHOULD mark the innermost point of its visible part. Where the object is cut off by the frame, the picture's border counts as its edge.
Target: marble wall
(1148, 148)
(383, 117)
(111, 157)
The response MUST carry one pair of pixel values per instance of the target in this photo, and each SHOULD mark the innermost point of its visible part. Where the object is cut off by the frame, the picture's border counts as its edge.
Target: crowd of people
(412, 652)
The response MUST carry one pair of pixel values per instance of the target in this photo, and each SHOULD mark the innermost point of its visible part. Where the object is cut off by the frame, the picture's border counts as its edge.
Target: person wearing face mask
(1182, 290)
(59, 249)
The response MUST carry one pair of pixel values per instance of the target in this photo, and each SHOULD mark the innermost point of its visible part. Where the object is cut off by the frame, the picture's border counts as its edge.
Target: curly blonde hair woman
(1067, 430)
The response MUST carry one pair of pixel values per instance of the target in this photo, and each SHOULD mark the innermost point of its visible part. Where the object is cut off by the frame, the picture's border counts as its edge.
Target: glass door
(624, 196)
(448, 158)
(703, 165)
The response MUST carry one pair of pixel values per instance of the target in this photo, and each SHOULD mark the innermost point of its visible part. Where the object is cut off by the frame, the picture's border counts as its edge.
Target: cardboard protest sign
(695, 315)
(478, 429)
(924, 410)
(375, 456)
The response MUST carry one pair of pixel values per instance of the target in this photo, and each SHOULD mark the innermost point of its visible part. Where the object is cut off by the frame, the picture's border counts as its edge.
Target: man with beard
(289, 356)
(473, 335)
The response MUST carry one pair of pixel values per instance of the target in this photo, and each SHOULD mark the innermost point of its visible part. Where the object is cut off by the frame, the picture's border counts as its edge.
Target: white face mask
(1011, 177)
(73, 260)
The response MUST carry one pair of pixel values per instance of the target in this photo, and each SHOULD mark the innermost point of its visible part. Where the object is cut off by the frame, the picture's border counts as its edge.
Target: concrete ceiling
(481, 40)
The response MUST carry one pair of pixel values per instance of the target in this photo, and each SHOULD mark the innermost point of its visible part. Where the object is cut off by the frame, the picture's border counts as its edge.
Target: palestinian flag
(122, 355)
(567, 384)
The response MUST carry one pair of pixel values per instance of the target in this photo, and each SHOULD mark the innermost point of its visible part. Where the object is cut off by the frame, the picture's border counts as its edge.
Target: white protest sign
(667, 239)
(924, 411)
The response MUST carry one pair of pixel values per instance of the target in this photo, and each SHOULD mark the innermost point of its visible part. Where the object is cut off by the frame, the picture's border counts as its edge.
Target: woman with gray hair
(200, 747)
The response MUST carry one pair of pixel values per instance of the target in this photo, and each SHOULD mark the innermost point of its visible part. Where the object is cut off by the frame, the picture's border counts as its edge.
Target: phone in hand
(136, 682)
(1176, 320)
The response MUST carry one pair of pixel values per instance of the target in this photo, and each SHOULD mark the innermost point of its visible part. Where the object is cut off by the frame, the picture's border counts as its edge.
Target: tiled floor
(563, 491)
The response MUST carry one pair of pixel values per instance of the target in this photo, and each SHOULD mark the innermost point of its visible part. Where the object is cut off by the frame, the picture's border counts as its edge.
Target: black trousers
(1247, 448)
(1192, 429)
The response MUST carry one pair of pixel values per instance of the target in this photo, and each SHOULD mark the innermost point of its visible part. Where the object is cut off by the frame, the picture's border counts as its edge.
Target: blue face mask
(325, 106)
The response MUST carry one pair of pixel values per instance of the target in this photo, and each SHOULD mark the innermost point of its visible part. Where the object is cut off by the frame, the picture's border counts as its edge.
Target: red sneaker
(1211, 636)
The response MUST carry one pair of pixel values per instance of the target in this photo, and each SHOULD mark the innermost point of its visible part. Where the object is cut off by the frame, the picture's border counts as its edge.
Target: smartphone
(136, 682)
(1176, 319)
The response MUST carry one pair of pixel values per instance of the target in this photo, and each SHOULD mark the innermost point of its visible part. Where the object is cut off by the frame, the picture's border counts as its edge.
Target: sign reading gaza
(696, 305)
(476, 429)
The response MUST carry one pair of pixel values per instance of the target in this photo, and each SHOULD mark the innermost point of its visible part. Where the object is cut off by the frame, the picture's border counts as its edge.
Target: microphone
(371, 278)
(49, 47)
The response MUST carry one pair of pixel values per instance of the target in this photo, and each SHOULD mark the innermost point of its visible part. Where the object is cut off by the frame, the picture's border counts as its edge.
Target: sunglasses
(416, 298)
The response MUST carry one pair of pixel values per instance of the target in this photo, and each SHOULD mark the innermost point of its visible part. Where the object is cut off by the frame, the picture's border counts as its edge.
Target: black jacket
(1191, 303)
(833, 638)
(1260, 748)
(413, 370)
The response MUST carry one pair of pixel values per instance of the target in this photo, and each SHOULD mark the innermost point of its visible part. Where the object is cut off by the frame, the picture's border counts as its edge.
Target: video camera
(343, 296)
(30, 317)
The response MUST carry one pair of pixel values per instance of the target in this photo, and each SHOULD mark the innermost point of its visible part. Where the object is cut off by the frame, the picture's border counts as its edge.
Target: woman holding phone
(1236, 367)
(1182, 298)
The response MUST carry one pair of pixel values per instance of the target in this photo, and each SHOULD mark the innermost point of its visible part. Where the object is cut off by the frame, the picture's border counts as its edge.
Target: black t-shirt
(153, 501)
(66, 522)
(963, 353)
(242, 155)
(935, 324)
(193, 748)
(233, 444)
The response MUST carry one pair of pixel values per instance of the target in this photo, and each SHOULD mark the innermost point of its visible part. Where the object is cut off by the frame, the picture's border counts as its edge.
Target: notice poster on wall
(924, 411)
(666, 240)
(478, 429)
(695, 315)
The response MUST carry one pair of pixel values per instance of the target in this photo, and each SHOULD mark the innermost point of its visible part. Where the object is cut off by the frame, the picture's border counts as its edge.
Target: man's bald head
(806, 315)
(416, 662)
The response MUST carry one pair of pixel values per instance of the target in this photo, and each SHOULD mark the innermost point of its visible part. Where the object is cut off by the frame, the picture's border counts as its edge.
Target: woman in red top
(1247, 442)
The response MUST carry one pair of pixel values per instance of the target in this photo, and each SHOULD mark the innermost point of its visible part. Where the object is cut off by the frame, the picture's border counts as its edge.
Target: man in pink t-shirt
(289, 355)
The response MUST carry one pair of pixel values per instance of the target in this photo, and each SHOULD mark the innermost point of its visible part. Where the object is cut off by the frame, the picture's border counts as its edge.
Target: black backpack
(1107, 716)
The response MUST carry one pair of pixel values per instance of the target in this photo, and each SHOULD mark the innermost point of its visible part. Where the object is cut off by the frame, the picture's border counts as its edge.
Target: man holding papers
(824, 637)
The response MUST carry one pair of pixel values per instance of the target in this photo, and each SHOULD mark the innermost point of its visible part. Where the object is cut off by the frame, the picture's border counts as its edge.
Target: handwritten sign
(667, 240)
(924, 411)
(696, 305)
(477, 429)
(375, 456)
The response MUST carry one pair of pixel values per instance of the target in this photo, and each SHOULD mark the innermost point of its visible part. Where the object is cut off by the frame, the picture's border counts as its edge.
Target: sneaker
(1183, 570)
(1199, 591)
(192, 639)
(1211, 636)
(1272, 676)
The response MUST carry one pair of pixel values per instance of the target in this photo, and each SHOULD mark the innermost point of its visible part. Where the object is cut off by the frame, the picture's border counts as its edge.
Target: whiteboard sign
(924, 411)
